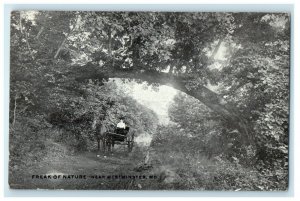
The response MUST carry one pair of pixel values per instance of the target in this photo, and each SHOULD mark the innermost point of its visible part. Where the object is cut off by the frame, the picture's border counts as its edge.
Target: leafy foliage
(194, 170)
(61, 63)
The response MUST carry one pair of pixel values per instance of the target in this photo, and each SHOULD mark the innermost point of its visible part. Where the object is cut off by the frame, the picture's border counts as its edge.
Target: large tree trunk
(217, 104)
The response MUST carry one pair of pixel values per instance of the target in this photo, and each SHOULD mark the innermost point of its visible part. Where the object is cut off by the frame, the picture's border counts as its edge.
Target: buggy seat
(121, 134)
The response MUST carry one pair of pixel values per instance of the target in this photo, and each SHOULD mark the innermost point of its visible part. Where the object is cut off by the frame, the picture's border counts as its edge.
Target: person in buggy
(122, 128)
(121, 124)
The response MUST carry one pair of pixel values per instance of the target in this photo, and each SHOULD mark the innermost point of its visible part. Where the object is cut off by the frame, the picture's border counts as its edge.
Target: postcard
(193, 101)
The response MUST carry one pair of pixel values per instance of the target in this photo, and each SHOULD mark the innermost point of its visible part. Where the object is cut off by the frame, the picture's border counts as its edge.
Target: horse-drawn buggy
(120, 136)
(110, 135)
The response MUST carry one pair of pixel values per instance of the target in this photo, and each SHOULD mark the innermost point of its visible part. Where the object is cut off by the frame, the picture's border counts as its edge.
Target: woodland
(229, 121)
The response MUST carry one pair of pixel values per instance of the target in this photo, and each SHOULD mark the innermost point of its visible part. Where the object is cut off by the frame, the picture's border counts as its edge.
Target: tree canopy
(232, 70)
(171, 48)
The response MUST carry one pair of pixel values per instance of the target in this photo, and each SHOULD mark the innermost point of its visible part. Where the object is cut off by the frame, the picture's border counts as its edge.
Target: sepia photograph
(107, 100)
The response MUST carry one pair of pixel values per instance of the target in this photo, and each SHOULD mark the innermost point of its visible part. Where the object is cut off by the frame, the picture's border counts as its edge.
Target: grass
(174, 167)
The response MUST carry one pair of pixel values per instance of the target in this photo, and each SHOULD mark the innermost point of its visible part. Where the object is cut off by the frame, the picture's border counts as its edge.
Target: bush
(197, 171)
(27, 144)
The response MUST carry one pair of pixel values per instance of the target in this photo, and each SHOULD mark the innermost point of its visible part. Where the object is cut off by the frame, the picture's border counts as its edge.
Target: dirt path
(88, 170)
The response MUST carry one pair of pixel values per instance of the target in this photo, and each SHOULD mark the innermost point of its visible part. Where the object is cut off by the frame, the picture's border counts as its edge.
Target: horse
(100, 135)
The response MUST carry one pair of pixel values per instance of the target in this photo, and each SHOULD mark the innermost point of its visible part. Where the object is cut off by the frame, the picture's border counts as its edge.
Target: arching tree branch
(203, 94)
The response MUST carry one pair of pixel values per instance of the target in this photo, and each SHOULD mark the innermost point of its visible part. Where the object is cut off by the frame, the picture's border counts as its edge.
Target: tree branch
(40, 32)
(211, 58)
(42, 28)
(203, 94)
(60, 46)
(28, 46)
(63, 42)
